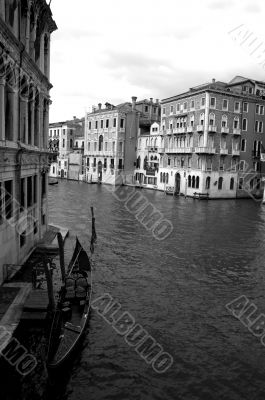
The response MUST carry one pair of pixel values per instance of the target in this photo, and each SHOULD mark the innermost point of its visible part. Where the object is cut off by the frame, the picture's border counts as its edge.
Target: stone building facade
(111, 139)
(25, 30)
(212, 139)
(62, 136)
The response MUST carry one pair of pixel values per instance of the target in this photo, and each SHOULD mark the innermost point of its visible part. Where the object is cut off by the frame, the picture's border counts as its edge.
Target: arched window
(220, 183)
(224, 121)
(166, 178)
(189, 181)
(236, 123)
(208, 182)
(155, 143)
(193, 181)
(138, 162)
(197, 182)
(192, 120)
(46, 55)
(244, 124)
(161, 177)
(100, 143)
(202, 119)
(145, 162)
(232, 182)
(212, 119)
(199, 163)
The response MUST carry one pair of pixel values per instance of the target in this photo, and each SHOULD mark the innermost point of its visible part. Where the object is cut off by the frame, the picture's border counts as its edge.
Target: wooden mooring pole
(61, 251)
(49, 285)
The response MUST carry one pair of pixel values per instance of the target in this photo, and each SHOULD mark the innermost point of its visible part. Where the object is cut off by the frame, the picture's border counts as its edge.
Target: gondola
(72, 311)
(53, 182)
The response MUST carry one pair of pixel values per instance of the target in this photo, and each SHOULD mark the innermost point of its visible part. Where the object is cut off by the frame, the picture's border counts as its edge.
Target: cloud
(103, 52)
(253, 8)
(220, 4)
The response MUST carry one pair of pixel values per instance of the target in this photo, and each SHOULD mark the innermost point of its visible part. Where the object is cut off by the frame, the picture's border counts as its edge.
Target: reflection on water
(176, 289)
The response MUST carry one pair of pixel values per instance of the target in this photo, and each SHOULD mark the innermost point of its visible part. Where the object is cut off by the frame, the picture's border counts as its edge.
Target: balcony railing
(103, 153)
(224, 151)
(161, 149)
(180, 150)
(205, 150)
(180, 130)
(212, 128)
(169, 131)
(190, 129)
(224, 130)
(256, 154)
(200, 128)
(236, 131)
(235, 152)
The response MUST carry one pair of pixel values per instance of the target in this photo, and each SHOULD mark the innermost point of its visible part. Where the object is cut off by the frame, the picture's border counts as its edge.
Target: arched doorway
(177, 184)
(62, 173)
(100, 171)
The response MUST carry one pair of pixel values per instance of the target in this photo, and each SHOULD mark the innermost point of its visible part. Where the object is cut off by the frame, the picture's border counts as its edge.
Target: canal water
(177, 289)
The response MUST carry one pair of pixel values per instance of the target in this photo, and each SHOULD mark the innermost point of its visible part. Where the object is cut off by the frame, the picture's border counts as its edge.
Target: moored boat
(53, 181)
(72, 312)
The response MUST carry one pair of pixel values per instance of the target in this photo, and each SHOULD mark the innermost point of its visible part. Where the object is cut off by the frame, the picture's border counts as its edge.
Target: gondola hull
(72, 313)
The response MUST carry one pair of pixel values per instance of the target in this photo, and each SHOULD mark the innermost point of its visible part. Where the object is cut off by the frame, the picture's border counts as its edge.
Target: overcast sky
(108, 51)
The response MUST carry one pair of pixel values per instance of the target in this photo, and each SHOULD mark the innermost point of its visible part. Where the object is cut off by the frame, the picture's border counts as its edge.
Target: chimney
(134, 98)
(74, 117)
(151, 99)
(99, 106)
(157, 101)
(213, 80)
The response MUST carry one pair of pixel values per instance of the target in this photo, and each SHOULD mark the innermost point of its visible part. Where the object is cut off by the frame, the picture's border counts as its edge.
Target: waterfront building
(212, 139)
(61, 139)
(25, 30)
(111, 139)
(148, 158)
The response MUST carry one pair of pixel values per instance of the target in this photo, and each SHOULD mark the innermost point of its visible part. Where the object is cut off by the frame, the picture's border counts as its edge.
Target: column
(32, 114)
(2, 109)
(11, 116)
(24, 120)
(28, 30)
(32, 40)
(37, 126)
(41, 123)
(46, 123)
(41, 59)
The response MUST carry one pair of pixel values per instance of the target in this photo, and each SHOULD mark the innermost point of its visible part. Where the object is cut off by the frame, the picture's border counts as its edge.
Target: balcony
(180, 130)
(235, 152)
(212, 128)
(255, 154)
(190, 129)
(224, 152)
(205, 150)
(161, 149)
(179, 150)
(104, 153)
(224, 130)
(200, 128)
(169, 131)
(236, 131)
